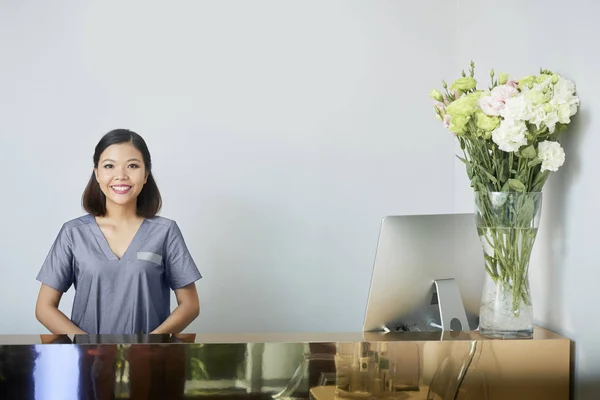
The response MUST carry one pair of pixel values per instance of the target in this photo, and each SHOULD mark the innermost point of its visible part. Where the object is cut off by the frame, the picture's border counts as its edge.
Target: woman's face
(121, 173)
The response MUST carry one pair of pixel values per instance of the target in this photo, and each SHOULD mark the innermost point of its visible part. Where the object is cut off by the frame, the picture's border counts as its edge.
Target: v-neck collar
(133, 245)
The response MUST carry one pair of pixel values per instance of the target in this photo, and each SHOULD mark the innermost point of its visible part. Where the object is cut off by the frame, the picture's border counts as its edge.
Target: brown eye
(133, 166)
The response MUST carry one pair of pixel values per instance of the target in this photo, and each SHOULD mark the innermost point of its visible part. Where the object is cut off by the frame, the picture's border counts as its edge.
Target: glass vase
(507, 224)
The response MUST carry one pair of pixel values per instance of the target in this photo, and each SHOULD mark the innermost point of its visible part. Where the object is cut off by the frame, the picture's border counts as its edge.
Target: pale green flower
(465, 105)
(485, 122)
(436, 95)
(537, 97)
(461, 111)
(464, 84)
(458, 124)
(527, 82)
(502, 78)
(541, 78)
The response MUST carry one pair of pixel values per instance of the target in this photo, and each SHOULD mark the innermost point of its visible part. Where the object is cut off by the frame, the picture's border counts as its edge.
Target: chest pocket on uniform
(152, 257)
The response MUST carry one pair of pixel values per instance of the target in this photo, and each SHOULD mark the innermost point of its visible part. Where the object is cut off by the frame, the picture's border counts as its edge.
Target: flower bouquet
(508, 134)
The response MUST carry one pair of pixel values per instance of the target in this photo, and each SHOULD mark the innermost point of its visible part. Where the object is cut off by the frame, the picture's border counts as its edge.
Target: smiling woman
(121, 257)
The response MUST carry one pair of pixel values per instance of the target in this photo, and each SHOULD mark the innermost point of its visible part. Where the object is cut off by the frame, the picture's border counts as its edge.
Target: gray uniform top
(119, 296)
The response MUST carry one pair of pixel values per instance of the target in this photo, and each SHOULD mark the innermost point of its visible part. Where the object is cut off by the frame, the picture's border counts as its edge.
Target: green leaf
(523, 176)
(541, 176)
(529, 152)
(516, 184)
(490, 176)
(504, 169)
(526, 213)
(468, 165)
(534, 162)
(539, 181)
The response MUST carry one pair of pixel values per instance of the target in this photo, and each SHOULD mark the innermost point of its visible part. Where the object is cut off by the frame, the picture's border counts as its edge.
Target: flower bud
(436, 95)
(502, 78)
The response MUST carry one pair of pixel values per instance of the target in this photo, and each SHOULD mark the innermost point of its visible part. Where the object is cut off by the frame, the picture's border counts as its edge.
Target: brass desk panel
(277, 366)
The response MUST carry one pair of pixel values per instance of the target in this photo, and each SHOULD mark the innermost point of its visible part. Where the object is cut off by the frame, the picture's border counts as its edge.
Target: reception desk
(420, 365)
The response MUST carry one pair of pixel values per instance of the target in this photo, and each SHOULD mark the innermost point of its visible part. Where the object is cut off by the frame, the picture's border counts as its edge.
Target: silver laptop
(428, 274)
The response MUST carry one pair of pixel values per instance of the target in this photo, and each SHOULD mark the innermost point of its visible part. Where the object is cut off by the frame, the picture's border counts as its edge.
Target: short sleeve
(57, 269)
(181, 270)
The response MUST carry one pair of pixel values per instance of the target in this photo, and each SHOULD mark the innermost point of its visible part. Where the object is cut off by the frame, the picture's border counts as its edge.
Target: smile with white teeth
(121, 188)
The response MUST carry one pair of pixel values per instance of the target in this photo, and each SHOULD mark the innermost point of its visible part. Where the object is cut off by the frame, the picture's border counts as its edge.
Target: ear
(146, 179)
(96, 174)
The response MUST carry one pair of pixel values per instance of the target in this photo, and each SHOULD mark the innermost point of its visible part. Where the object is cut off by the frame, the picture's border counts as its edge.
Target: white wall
(520, 37)
(281, 134)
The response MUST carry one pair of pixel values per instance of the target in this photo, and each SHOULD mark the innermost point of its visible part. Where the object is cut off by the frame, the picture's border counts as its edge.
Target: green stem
(511, 236)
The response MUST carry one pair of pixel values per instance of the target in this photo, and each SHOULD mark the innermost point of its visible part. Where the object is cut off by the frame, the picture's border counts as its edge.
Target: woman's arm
(47, 312)
(188, 308)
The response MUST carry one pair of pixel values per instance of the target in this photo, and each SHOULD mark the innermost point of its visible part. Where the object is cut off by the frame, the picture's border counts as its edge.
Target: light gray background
(282, 133)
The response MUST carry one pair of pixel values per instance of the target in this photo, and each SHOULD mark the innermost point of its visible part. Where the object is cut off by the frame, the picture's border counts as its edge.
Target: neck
(121, 213)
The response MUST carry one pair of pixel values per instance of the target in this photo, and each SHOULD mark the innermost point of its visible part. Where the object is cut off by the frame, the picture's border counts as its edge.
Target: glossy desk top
(223, 366)
(308, 337)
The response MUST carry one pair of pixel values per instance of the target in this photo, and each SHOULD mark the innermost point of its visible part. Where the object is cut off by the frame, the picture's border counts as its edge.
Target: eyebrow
(131, 159)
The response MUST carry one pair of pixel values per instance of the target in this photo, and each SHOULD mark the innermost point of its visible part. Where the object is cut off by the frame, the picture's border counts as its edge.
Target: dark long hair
(149, 201)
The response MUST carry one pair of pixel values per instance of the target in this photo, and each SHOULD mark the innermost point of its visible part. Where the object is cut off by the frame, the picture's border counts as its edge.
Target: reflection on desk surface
(186, 367)
(309, 337)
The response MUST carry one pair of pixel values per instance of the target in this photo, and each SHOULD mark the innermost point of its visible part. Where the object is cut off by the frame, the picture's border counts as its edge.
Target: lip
(120, 189)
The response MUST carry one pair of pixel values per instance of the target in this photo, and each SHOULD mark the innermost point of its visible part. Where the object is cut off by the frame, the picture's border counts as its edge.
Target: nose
(121, 173)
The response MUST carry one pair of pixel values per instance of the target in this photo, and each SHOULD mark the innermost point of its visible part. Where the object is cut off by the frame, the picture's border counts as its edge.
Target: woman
(122, 259)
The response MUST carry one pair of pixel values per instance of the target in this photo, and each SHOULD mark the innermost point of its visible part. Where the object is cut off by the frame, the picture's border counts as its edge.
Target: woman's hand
(188, 308)
(47, 312)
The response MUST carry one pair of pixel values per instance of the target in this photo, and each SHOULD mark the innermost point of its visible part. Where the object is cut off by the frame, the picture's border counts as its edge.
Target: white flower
(493, 104)
(551, 154)
(564, 92)
(517, 108)
(564, 100)
(544, 115)
(551, 120)
(504, 92)
(510, 135)
(538, 116)
(564, 113)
